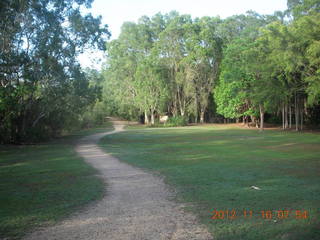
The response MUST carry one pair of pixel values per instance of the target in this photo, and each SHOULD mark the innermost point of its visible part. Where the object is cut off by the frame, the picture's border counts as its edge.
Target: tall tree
(40, 41)
(202, 61)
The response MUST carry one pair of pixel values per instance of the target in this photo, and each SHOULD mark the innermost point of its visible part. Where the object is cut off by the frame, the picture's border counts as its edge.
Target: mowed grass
(41, 184)
(213, 168)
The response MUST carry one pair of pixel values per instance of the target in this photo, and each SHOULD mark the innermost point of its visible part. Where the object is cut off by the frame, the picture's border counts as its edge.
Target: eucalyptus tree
(202, 61)
(299, 8)
(307, 32)
(172, 50)
(152, 87)
(120, 68)
(133, 76)
(306, 65)
(39, 74)
(275, 40)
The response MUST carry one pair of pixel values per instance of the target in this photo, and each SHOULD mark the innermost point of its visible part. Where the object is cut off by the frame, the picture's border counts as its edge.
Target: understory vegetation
(225, 168)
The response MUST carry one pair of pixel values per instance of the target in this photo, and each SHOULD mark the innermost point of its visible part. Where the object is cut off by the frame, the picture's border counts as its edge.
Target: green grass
(41, 184)
(214, 167)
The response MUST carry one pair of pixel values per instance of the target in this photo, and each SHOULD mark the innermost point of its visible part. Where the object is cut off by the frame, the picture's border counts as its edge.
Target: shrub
(176, 121)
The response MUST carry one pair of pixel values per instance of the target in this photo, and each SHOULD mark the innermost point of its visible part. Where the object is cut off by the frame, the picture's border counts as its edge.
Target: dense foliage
(241, 67)
(42, 87)
(204, 69)
(166, 64)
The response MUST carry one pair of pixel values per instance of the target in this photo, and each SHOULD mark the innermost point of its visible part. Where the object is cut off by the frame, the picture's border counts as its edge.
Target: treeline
(43, 89)
(207, 69)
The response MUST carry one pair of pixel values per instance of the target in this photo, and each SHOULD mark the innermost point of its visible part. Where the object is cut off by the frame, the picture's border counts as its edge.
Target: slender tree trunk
(175, 106)
(282, 110)
(301, 114)
(290, 116)
(261, 117)
(246, 121)
(38, 119)
(296, 111)
(196, 113)
(146, 117)
(286, 124)
(254, 121)
(152, 117)
(202, 116)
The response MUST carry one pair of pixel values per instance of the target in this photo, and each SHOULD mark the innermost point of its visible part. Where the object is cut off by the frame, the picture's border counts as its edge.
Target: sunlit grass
(214, 167)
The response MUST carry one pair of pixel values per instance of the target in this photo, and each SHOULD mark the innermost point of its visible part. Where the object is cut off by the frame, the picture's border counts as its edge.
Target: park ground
(212, 169)
(216, 168)
(42, 184)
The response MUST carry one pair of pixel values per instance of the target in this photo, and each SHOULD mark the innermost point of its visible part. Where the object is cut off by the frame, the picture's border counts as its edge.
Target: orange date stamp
(264, 214)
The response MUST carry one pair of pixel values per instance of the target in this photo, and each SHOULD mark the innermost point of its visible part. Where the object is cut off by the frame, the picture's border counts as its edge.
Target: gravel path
(137, 205)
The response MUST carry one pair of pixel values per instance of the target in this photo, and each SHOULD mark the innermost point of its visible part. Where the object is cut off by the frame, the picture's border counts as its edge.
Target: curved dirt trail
(137, 205)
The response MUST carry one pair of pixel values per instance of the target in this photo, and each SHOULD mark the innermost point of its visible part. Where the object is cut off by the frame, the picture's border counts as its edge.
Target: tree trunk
(38, 119)
(196, 109)
(283, 113)
(254, 121)
(202, 116)
(146, 117)
(290, 116)
(261, 117)
(246, 121)
(175, 107)
(286, 124)
(152, 117)
(301, 116)
(296, 111)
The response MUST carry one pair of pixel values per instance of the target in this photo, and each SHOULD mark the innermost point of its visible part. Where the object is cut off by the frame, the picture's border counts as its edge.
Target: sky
(115, 12)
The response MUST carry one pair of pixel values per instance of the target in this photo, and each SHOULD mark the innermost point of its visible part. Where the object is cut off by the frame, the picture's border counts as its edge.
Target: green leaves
(39, 73)
(164, 64)
(173, 64)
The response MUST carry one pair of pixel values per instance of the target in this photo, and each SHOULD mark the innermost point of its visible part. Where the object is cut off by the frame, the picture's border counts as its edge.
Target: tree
(243, 69)
(39, 73)
(202, 62)
(151, 87)
(171, 47)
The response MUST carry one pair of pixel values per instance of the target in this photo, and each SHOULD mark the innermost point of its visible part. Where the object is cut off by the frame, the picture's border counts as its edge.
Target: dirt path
(137, 205)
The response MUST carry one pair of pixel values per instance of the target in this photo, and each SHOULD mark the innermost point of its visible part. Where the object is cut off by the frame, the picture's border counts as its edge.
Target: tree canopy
(245, 67)
(207, 69)
(43, 88)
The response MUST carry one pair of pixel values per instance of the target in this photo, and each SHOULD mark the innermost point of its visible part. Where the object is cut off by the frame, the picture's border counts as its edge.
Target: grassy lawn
(214, 167)
(41, 184)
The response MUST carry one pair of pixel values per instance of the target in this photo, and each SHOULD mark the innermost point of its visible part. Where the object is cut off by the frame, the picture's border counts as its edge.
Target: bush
(176, 121)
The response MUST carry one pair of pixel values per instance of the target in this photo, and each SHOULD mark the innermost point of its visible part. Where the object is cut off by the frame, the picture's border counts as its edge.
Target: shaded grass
(213, 168)
(41, 184)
